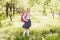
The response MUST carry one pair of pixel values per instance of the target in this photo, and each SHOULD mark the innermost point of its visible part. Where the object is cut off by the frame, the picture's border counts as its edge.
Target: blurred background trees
(43, 6)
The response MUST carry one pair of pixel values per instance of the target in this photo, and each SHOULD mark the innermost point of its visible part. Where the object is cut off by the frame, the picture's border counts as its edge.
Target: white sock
(27, 32)
(24, 32)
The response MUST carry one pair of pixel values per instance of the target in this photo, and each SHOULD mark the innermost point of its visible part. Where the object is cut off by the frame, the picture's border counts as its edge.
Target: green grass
(12, 33)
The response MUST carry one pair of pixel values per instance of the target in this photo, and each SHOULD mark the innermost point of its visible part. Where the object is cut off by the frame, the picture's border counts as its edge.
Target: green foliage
(54, 36)
(33, 2)
(0, 23)
(2, 16)
(46, 2)
(16, 34)
(58, 38)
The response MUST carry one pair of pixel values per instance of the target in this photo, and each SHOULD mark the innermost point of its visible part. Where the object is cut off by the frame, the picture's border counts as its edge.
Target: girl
(27, 22)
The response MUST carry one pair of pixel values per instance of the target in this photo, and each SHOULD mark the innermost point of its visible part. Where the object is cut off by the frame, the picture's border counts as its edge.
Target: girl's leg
(27, 32)
(24, 32)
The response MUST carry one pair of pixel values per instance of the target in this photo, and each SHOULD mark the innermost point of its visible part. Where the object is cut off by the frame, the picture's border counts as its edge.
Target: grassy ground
(43, 28)
(11, 33)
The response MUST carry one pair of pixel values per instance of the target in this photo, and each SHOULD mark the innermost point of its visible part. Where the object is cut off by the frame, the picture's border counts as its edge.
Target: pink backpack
(22, 17)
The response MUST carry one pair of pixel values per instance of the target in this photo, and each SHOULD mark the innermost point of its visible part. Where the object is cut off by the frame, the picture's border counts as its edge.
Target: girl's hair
(28, 9)
(23, 10)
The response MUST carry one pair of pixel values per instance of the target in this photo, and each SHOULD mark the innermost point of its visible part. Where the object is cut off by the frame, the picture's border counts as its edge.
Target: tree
(33, 2)
(46, 3)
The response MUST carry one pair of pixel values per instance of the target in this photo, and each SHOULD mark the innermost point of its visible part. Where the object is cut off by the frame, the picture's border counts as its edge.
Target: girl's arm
(24, 17)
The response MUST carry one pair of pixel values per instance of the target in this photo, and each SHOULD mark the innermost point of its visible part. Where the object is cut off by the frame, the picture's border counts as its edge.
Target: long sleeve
(24, 17)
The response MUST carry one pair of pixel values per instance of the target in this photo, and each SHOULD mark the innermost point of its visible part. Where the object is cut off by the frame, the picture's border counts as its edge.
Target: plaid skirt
(27, 24)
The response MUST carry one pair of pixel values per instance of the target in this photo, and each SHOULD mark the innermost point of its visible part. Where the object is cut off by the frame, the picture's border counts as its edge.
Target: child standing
(27, 22)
